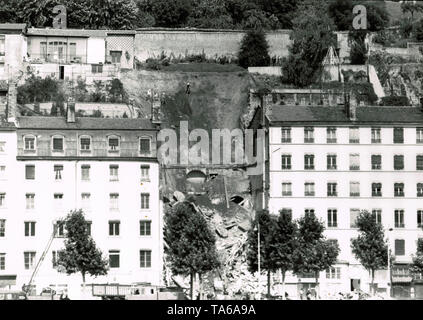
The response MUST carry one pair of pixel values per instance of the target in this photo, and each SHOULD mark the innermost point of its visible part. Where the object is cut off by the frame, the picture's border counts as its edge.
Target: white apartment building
(106, 167)
(338, 163)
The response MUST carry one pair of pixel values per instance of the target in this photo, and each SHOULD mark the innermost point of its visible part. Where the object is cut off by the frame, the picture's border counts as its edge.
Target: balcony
(39, 58)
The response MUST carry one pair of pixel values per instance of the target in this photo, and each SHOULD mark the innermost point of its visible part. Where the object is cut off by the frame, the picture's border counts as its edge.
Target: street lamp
(389, 264)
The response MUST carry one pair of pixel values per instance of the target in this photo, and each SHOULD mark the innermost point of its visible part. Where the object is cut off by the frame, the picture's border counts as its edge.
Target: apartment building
(106, 167)
(337, 162)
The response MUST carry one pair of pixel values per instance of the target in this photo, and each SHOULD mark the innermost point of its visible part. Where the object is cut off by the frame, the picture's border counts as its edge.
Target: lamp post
(389, 264)
(258, 259)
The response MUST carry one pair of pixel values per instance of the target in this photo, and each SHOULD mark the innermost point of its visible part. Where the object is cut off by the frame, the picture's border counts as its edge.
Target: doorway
(61, 72)
(355, 284)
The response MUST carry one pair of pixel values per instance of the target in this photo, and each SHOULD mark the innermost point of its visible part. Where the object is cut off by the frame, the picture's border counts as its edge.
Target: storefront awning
(7, 280)
(401, 279)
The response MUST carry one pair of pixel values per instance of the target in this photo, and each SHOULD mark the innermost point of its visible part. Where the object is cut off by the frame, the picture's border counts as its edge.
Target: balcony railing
(56, 58)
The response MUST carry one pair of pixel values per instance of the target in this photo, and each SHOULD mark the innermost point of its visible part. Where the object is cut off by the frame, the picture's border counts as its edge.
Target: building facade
(106, 167)
(336, 163)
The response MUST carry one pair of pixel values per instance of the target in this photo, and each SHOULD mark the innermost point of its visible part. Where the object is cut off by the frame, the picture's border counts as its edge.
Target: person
(287, 296)
(188, 90)
(308, 295)
(301, 294)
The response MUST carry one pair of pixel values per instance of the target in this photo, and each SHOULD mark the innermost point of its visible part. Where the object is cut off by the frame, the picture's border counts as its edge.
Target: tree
(377, 15)
(283, 10)
(417, 266)
(191, 246)
(313, 252)
(210, 14)
(116, 90)
(81, 253)
(283, 244)
(358, 53)
(169, 14)
(311, 38)
(341, 11)
(267, 258)
(254, 50)
(411, 7)
(419, 30)
(370, 247)
(8, 13)
(112, 14)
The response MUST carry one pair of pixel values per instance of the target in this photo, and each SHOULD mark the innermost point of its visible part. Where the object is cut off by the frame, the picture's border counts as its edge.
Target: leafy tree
(191, 246)
(80, 253)
(267, 257)
(370, 247)
(167, 13)
(210, 14)
(313, 252)
(417, 266)
(97, 114)
(311, 37)
(411, 7)
(113, 14)
(36, 13)
(358, 53)
(341, 11)
(116, 90)
(8, 13)
(377, 15)
(284, 11)
(254, 50)
(283, 244)
(81, 90)
(98, 94)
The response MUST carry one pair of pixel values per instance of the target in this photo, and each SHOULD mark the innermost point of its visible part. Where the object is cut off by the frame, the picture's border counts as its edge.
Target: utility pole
(258, 259)
(389, 265)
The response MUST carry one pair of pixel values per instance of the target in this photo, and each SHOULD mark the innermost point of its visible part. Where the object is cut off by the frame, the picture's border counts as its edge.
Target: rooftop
(364, 115)
(84, 123)
(81, 33)
(12, 27)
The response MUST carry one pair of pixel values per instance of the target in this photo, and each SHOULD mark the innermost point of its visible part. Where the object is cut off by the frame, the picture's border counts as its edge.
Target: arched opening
(195, 181)
(237, 199)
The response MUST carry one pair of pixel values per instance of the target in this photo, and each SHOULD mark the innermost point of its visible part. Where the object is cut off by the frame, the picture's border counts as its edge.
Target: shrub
(254, 50)
(395, 101)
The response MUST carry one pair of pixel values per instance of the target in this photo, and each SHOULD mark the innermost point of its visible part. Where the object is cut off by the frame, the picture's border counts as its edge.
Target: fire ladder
(27, 288)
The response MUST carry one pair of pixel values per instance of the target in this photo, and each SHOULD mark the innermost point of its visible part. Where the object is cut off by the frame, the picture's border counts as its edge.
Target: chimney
(70, 110)
(11, 104)
(350, 107)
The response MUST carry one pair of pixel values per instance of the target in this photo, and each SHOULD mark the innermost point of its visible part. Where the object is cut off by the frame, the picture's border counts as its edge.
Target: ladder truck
(27, 288)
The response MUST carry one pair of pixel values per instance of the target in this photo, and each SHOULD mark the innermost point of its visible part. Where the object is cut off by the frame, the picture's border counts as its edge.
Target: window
(29, 172)
(97, 68)
(58, 169)
(309, 161)
(376, 189)
(419, 135)
(377, 215)
(399, 189)
(30, 201)
(2, 47)
(399, 247)
(145, 228)
(29, 260)
(55, 257)
(113, 144)
(29, 143)
(420, 189)
(309, 189)
(86, 201)
(85, 143)
(116, 55)
(353, 217)
(354, 189)
(419, 218)
(331, 162)
(2, 228)
(286, 135)
(29, 228)
(286, 189)
(309, 211)
(114, 258)
(354, 135)
(145, 172)
(332, 189)
(57, 144)
(286, 162)
(145, 145)
(333, 273)
(399, 218)
(376, 162)
(419, 162)
(287, 211)
(2, 146)
(58, 202)
(114, 172)
(145, 201)
(354, 161)
(145, 258)
(2, 261)
(398, 162)
(85, 172)
(114, 201)
(59, 229)
(2, 172)
(2, 200)
(331, 135)
(72, 50)
(376, 135)
(398, 135)
(308, 135)
(332, 218)
(89, 225)
(114, 228)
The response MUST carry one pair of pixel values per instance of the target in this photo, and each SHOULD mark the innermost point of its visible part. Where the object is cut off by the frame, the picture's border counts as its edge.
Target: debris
(244, 225)
(221, 231)
(178, 196)
(229, 224)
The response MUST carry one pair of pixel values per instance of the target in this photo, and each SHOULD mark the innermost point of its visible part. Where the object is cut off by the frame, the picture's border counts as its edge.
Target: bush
(419, 30)
(254, 50)
(395, 101)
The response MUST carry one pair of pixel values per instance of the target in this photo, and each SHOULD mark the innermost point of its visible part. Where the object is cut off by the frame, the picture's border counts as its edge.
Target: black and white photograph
(227, 151)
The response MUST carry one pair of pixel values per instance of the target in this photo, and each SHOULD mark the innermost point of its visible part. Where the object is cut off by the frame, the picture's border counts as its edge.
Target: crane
(26, 288)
